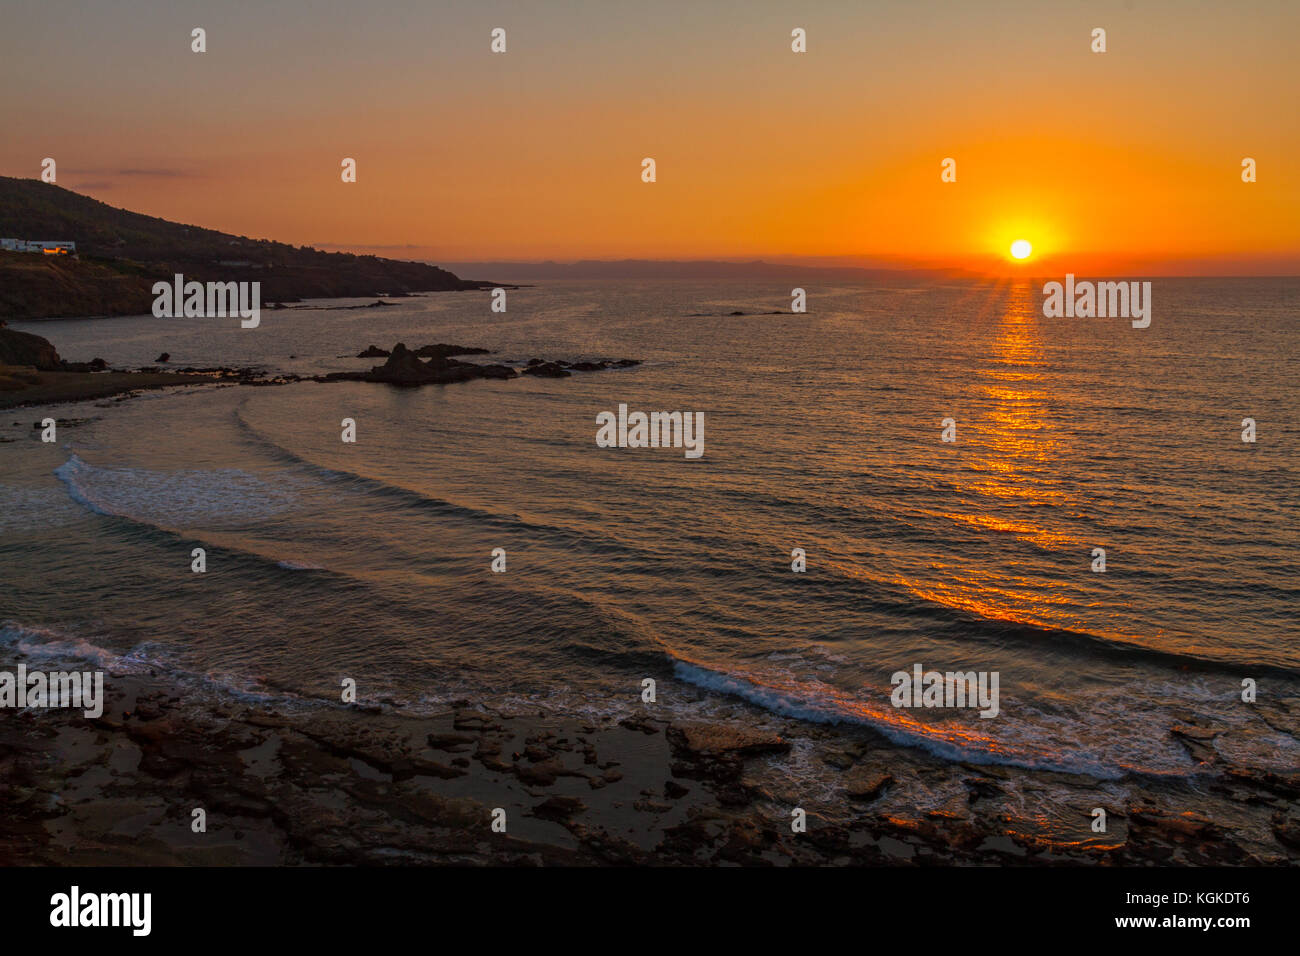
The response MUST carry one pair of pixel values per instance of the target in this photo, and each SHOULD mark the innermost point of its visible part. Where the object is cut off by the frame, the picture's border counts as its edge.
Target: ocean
(372, 560)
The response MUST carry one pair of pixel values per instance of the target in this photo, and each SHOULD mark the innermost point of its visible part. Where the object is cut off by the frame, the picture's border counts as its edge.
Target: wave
(64, 649)
(173, 498)
(570, 537)
(1135, 739)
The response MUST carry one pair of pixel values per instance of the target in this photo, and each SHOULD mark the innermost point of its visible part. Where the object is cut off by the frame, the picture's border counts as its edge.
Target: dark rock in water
(558, 808)
(705, 738)
(718, 751)
(547, 370)
(94, 365)
(534, 361)
(374, 351)
(24, 348)
(839, 759)
(452, 742)
(405, 368)
(981, 787)
(444, 350)
(625, 363)
(165, 357)
(402, 368)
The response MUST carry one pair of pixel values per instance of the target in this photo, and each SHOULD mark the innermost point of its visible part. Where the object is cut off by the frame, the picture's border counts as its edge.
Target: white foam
(1106, 736)
(173, 498)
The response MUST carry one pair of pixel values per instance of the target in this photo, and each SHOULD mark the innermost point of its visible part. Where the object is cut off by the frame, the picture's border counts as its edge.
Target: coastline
(370, 784)
(58, 388)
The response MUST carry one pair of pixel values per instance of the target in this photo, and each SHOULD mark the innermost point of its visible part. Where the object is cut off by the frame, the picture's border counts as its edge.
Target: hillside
(123, 253)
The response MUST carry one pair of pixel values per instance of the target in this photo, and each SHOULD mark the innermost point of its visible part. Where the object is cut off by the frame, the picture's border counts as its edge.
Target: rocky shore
(373, 785)
(404, 366)
(31, 372)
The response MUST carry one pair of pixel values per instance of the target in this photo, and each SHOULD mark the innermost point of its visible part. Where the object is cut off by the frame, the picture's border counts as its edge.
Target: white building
(50, 247)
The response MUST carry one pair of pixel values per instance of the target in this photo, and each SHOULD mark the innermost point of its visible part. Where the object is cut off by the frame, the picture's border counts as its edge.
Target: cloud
(158, 173)
(138, 172)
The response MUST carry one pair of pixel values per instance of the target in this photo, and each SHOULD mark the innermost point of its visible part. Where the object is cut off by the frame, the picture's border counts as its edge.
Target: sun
(1020, 249)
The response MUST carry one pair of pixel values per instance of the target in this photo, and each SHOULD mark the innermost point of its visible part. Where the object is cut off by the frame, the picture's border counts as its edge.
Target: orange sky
(1127, 161)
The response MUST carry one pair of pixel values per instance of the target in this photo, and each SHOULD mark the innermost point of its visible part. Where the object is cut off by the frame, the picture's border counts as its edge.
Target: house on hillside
(49, 247)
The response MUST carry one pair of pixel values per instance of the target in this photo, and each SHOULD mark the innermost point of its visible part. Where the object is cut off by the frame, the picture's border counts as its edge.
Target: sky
(1123, 162)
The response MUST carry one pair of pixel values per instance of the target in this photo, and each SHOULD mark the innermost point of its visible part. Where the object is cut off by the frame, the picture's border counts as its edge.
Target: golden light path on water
(1009, 457)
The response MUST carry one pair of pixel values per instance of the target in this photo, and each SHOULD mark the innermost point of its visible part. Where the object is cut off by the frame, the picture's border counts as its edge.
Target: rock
(542, 774)
(547, 370)
(24, 348)
(94, 365)
(402, 368)
(839, 759)
(674, 790)
(638, 723)
(1177, 828)
(165, 357)
(443, 350)
(405, 368)
(473, 720)
(1287, 831)
(1286, 785)
(558, 808)
(651, 806)
(866, 784)
(714, 739)
(981, 787)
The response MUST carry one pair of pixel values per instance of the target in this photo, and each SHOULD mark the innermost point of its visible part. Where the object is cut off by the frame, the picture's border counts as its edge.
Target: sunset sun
(1020, 249)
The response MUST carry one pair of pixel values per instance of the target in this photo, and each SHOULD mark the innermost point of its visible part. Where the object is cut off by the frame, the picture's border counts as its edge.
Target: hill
(122, 253)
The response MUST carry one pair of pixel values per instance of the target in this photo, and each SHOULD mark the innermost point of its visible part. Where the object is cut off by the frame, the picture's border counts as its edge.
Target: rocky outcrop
(444, 350)
(405, 368)
(547, 370)
(24, 348)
